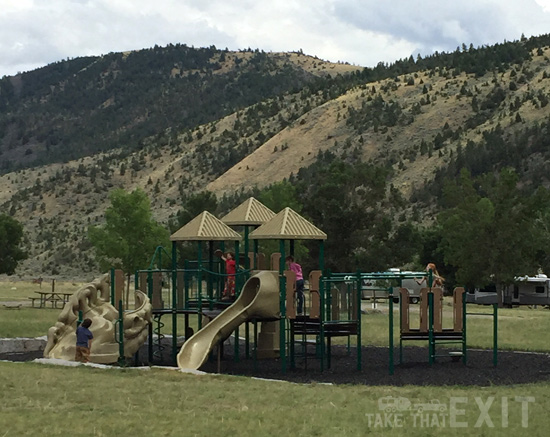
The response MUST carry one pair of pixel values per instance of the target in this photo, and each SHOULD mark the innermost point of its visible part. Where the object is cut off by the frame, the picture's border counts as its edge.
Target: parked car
(373, 288)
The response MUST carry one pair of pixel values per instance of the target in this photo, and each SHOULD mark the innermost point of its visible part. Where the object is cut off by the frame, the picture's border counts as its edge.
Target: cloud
(34, 33)
(435, 25)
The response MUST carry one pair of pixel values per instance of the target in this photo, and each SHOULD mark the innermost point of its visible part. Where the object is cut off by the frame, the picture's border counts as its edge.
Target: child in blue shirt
(83, 341)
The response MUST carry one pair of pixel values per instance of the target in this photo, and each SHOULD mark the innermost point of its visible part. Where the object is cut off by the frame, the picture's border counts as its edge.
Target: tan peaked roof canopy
(205, 227)
(288, 225)
(250, 212)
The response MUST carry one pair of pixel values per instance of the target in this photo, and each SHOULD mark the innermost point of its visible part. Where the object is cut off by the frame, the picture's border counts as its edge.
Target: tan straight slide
(259, 298)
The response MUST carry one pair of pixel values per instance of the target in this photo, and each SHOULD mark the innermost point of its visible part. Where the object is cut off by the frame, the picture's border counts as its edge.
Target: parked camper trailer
(526, 290)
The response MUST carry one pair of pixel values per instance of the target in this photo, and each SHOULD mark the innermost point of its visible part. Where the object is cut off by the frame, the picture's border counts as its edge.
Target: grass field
(48, 400)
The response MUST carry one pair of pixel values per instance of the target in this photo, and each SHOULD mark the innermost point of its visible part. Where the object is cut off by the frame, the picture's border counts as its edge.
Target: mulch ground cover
(512, 368)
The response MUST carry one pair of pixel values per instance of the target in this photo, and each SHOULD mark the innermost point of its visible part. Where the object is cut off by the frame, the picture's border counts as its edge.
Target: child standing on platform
(297, 268)
(230, 270)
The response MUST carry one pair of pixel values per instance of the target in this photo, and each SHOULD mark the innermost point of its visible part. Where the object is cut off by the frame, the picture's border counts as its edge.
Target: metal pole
(431, 327)
(247, 340)
(237, 293)
(256, 250)
(464, 338)
(186, 276)
(322, 301)
(495, 333)
(358, 315)
(400, 326)
(246, 249)
(390, 321)
(282, 306)
(150, 327)
(209, 285)
(174, 302)
(199, 284)
(121, 357)
(322, 284)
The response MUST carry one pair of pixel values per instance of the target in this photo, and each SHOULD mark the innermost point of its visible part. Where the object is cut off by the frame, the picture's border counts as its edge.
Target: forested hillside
(439, 158)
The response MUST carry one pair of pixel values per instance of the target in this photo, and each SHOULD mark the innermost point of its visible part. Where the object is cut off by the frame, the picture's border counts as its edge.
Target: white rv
(526, 290)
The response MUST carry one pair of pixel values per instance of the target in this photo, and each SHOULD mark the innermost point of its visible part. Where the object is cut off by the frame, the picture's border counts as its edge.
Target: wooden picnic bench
(52, 297)
(33, 299)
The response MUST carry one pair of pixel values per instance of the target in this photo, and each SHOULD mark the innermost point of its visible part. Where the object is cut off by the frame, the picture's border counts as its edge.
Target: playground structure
(117, 334)
(192, 289)
(333, 306)
(431, 319)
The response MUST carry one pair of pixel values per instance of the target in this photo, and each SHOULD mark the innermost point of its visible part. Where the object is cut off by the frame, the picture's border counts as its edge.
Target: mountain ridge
(415, 123)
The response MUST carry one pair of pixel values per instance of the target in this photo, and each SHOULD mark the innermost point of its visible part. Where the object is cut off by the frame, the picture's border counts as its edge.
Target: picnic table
(53, 297)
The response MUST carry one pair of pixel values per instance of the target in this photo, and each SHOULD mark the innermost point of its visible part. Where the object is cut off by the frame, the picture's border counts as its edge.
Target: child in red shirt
(230, 270)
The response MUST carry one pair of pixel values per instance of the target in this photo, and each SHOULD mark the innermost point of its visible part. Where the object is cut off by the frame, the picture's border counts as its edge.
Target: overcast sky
(34, 33)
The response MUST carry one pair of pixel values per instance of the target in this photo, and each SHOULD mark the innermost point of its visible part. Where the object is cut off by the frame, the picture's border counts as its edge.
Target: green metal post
(495, 333)
(431, 345)
(390, 338)
(222, 246)
(238, 285)
(246, 249)
(121, 357)
(256, 251)
(322, 302)
(150, 327)
(358, 315)
(199, 284)
(255, 345)
(186, 276)
(282, 307)
(174, 303)
(238, 277)
(464, 338)
(322, 255)
(247, 340)
(322, 286)
(209, 284)
(400, 327)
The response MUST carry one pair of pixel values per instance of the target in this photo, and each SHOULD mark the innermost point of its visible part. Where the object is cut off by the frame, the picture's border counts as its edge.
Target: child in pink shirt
(297, 268)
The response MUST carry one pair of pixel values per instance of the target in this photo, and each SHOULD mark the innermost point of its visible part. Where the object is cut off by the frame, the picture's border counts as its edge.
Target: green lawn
(49, 400)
